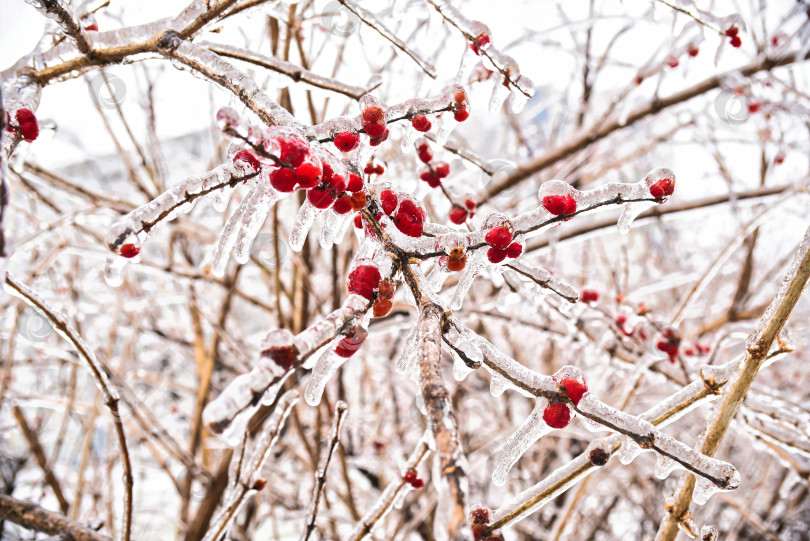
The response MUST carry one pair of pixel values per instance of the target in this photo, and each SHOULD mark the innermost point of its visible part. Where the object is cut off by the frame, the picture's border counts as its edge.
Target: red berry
(598, 457)
(499, 237)
(693, 51)
(557, 415)
(736, 42)
(479, 515)
(283, 179)
(259, 485)
(411, 478)
(457, 260)
(672, 62)
(292, 152)
(373, 115)
(382, 307)
(320, 197)
(369, 169)
(29, 127)
(375, 130)
(389, 201)
(343, 204)
(375, 141)
(431, 178)
(129, 250)
(662, 188)
(732, 31)
(386, 289)
(337, 184)
(574, 389)
(379, 170)
(363, 280)
(358, 221)
(442, 169)
(283, 356)
(355, 183)
(91, 27)
(424, 153)
(670, 348)
(421, 123)
(410, 219)
(753, 107)
(458, 215)
(589, 295)
(358, 201)
(346, 141)
(307, 175)
(560, 204)
(461, 115)
(779, 159)
(470, 204)
(514, 250)
(495, 255)
(247, 157)
(479, 43)
(350, 343)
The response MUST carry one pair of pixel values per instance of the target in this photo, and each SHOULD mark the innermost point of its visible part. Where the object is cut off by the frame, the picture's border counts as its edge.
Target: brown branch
(33, 517)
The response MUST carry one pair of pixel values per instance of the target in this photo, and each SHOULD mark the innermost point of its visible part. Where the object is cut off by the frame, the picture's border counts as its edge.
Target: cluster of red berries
(670, 343)
(412, 479)
(374, 124)
(662, 188)
(461, 106)
(459, 214)
(501, 246)
(557, 414)
(351, 342)
(364, 280)
(589, 295)
(408, 217)
(384, 301)
(373, 169)
(560, 205)
(435, 172)
(27, 124)
(734, 33)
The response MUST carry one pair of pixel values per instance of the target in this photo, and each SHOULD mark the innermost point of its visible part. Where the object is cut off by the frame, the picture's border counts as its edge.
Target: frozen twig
(341, 408)
(33, 517)
(54, 9)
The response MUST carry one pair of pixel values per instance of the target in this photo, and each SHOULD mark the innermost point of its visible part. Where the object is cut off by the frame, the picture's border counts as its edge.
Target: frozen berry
(375, 141)
(779, 159)
(598, 457)
(575, 389)
(355, 183)
(358, 201)
(358, 221)
(292, 151)
(411, 478)
(351, 342)
(375, 131)
(431, 178)
(373, 115)
(363, 280)
(495, 255)
(424, 153)
(247, 157)
(382, 307)
(514, 250)
(479, 515)
(732, 31)
(343, 204)
(283, 356)
(129, 250)
(499, 237)
(557, 415)
(458, 215)
(672, 62)
(693, 51)
(29, 127)
(662, 188)
(461, 115)
(386, 289)
(259, 485)
(307, 175)
(736, 42)
(379, 170)
(456, 263)
(589, 295)
(560, 204)
(480, 43)
(410, 219)
(421, 123)
(389, 201)
(283, 180)
(470, 204)
(753, 107)
(346, 141)
(91, 27)
(442, 169)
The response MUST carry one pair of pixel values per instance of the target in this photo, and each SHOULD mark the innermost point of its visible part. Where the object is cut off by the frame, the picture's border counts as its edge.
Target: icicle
(497, 384)
(518, 101)
(630, 212)
(325, 367)
(114, 270)
(664, 466)
(255, 213)
(219, 202)
(500, 91)
(408, 352)
(704, 489)
(408, 137)
(227, 238)
(532, 429)
(475, 262)
(629, 450)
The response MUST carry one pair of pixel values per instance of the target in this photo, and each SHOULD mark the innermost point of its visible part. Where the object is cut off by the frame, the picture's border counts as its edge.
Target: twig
(320, 477)
(33, 517)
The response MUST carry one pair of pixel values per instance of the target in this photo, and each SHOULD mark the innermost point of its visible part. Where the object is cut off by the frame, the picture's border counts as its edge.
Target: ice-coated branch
(544, 279)
(480, 38)
(294, 72)
(215, 68)
(33, 517)
(248, 480)
(700, 391)
(198, 14)
(757, 348)
(100, 374)
(371, 20)
(389, 496)
(451, 475)
(55, 10)
(341, 409)
(283, 354)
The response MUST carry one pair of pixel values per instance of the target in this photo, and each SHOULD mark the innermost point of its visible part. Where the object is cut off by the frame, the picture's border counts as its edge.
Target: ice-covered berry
(358, 201)
(247, 157)
(557, 415)
(458, 215)
(346, 141)
(495, 255)
(421, 123)
(355, 183)
(560, 204)
(363, 280)
(27, 121)
(129, 250)
(574, 389)
(343, 204)
(409, 218)
(351, 342)
(753, 107)
(424, 153)
(514, 250)
(457, 259)
(589, 295)
(308, 175)
(662, 188)
(283, 179)
(382, 307)
(499, 237)
(442, 169)
(412, 479)
(389, 201)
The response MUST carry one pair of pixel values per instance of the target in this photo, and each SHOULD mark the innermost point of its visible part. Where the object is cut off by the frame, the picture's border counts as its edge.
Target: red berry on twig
(557, 415)
(346, 141)
(129, 250)
(363, 280)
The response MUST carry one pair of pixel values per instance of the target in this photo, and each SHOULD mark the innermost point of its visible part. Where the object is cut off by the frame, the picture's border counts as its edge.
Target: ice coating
(327, 364)
(532, 429)
(303, 223)
(544, 279)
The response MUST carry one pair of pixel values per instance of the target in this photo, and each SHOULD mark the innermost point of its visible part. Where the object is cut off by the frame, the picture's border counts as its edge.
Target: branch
(33, 517)
(53, 9)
